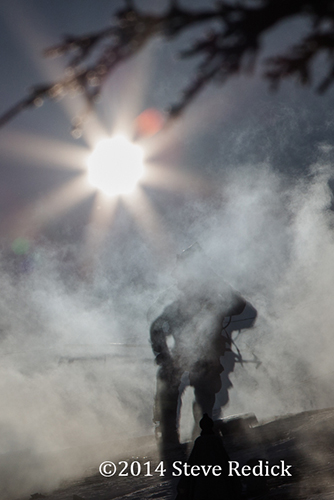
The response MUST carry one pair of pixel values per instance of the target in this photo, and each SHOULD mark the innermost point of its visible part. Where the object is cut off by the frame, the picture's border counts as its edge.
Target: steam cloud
(64, 388)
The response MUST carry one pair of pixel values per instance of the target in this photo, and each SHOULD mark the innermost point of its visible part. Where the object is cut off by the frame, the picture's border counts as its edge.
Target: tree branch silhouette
(226, 47)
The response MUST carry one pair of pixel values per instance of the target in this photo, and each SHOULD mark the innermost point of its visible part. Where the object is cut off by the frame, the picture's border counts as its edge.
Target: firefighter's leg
(166, 405)
(204, 403)
(206, 385)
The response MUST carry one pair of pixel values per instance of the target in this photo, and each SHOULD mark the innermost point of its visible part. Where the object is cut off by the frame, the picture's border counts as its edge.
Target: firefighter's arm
(158, 333)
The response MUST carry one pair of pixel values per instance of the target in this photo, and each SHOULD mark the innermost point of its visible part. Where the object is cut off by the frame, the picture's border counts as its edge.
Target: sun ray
(36, 35)
(147, 219)
(29, 221)
(172, 179)
(93, 131)
(178, 131)
(42, 151)
(101, 218)
(124, 93)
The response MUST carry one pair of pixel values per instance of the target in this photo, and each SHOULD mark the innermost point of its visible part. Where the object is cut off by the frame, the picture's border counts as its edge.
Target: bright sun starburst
(115, 166)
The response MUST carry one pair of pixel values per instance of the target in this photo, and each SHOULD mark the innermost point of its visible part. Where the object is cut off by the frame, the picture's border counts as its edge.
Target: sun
(115, 166)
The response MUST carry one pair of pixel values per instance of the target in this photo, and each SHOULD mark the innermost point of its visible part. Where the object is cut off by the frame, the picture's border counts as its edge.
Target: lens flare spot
(149, 122)
(20, 246)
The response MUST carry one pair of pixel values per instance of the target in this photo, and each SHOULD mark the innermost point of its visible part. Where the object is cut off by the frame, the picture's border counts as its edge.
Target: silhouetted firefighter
(195, 322)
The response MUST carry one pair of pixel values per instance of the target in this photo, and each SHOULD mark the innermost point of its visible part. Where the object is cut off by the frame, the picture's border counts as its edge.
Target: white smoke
(65, 387)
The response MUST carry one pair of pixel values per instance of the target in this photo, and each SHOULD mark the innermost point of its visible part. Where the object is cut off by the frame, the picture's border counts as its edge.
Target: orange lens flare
(149, 122)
